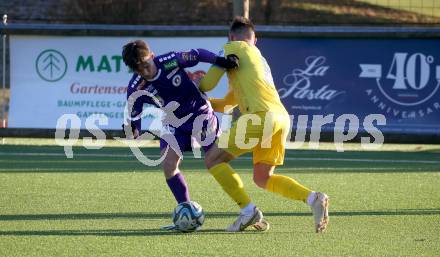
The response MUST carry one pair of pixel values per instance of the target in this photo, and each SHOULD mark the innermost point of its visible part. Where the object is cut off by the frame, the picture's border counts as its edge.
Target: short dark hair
(241, 26)
(133, 52)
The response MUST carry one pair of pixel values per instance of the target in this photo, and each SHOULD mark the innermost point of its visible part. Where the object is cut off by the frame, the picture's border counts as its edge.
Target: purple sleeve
(206, 56)
(137, 109)
(137, 112)
(194, 56)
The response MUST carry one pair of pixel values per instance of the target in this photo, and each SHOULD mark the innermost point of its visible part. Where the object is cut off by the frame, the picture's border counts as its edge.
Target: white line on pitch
(192, 170)
(243, 158)
(74, 154)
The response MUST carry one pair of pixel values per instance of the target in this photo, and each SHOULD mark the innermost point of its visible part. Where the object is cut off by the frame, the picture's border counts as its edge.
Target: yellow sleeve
(211, 79)
(225, 104)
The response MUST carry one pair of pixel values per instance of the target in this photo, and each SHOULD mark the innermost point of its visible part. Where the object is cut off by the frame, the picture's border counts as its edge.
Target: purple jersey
(172, 84)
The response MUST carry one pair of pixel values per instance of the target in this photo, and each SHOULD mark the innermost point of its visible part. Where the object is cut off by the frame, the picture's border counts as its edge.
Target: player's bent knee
(210, 160)
(208, 163)
(169, 168)
(262, 174)
(215, 156)
(261, 180)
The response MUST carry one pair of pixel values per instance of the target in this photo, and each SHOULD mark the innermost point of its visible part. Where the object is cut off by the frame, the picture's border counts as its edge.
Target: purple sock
(179, 188)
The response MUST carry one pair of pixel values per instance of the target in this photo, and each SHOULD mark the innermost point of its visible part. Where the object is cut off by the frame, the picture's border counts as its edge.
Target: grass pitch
(106, 203)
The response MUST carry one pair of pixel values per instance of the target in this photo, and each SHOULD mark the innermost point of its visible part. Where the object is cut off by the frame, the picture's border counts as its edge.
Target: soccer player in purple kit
(165, 84)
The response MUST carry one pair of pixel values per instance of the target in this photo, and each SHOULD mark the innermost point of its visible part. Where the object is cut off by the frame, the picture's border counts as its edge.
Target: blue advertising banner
(399, 78)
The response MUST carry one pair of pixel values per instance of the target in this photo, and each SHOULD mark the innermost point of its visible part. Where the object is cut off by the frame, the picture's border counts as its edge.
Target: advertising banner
(52, 76)
(397, 78)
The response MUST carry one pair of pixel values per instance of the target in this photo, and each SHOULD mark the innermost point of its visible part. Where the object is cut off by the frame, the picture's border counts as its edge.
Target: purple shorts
(203, 130)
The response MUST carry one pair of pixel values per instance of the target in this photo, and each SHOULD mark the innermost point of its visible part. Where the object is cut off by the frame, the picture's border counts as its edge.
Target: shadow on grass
(110, 232)
(51, 159)
(310, 166)
(166, 215)
(159, 232)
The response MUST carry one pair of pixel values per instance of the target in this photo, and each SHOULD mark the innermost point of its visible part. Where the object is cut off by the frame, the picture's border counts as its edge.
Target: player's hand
(230, 62)
(133, 130)
(196, 76)
(233, 59)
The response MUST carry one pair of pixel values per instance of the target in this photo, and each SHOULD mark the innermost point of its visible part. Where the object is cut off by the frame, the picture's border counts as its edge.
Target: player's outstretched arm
(134, 108)
(192, 57)
(211, 79)
(134, 131)
(134, 121)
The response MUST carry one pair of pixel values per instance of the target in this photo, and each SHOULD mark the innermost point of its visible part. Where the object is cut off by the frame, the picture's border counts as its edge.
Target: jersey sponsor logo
(172, 73)
(170, 65)
(187, 56)
(176, 80)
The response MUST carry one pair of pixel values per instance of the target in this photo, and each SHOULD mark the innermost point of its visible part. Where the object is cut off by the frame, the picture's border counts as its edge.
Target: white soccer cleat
(168, 227)
(255, 220)
(320, 211)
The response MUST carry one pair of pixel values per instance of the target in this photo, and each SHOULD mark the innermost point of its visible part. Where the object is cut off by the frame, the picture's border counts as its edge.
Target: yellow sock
(287, 187)
(231, 183)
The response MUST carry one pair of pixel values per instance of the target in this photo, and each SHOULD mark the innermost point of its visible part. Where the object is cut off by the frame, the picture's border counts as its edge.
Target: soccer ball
(188, 216)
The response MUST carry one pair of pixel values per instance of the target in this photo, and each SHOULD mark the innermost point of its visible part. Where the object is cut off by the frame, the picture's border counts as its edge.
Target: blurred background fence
(424, 13)
(219, 12)
(420, 13)
(322, 19)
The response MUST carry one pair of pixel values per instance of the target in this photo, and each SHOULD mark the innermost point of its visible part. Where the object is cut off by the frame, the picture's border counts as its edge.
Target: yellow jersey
(251, 85)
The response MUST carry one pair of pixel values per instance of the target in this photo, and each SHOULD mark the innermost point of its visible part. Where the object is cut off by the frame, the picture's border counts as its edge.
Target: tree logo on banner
(51, 65)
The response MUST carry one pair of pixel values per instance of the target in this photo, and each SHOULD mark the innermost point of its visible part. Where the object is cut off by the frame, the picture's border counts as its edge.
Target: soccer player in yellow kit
(261, 129)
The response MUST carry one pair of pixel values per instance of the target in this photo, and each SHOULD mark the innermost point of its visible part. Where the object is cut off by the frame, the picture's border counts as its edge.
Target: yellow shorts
(263, 134)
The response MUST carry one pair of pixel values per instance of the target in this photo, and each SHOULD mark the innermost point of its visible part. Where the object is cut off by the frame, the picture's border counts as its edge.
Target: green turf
(105, 203)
